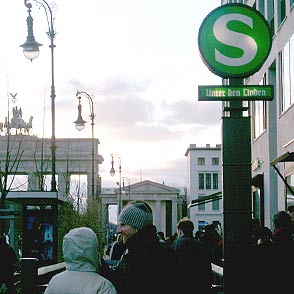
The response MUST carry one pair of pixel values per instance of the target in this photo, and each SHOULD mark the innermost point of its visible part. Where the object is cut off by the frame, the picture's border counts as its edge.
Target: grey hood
(80, 250)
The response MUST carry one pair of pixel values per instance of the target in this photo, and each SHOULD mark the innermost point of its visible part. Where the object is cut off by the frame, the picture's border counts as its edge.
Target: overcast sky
(140, 61)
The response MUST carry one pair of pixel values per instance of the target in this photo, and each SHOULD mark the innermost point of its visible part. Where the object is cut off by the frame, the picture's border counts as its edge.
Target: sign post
(234, 41)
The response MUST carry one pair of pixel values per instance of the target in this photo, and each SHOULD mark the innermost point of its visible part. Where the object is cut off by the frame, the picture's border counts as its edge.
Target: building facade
(30, 157)
(272, 121)
(272, 131)
(204, 185)
(166, 202)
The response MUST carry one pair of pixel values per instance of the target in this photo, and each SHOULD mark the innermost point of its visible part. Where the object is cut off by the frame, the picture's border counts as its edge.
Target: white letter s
(231, 38)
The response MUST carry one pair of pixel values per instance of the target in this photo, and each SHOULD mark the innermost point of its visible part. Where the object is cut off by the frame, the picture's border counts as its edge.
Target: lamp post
(129, 186)
(112, 173)
(80, 125)
(31, 51)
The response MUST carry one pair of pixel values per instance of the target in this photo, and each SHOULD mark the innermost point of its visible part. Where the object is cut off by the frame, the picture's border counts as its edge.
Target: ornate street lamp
(31, 51)
(80, 125)
(112, 173)
(30, 47)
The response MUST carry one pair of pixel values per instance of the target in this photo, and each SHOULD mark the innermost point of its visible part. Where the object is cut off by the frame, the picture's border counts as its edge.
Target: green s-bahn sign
(223, 93)
(234, 40)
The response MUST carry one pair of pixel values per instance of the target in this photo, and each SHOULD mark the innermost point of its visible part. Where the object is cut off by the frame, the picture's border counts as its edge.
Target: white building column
(33, 182)
(63, 180)
(174, 216)
(157, 218)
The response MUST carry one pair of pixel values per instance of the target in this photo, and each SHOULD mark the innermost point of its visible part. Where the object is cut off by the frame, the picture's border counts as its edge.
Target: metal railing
(34, 280)
(218, 274)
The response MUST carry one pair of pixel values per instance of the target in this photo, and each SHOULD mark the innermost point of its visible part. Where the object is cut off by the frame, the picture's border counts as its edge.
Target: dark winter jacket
(271, 264)
(8, 261)
(117, 250)
(195, 265)
(148, 266)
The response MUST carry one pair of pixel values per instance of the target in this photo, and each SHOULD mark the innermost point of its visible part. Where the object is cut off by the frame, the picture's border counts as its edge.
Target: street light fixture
(31, 51)
(112, 173)
(80, 125)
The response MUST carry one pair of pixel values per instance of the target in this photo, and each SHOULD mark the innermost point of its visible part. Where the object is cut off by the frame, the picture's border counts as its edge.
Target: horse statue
(17, 122)
(29, 125)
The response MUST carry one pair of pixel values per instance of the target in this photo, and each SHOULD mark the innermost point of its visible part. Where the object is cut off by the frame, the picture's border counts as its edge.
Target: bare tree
(9, 166)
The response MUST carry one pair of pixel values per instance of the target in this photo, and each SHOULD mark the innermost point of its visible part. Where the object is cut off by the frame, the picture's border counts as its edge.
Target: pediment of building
(148, 186)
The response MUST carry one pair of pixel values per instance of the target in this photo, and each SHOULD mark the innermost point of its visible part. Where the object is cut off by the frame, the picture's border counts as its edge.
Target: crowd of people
(273, 254)
(143, 260)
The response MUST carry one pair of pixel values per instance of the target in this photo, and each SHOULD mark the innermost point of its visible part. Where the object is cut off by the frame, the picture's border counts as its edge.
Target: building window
(215, 181)
(215, 205)
(261, 6)
(201, 207)
(215, 161)
(281, 10)
(286, 65)
(259, 110)
(259, 118)
(201, 161)
(256, 204)
(289, 195)
(208, 181)
(271, 16)
(201, 181)
(201, 225)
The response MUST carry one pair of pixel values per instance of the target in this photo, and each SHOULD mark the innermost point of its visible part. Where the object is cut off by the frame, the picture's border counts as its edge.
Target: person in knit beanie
(147, 266)
(135, 216)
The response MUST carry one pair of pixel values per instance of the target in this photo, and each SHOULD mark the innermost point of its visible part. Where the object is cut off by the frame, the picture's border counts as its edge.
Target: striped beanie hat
(138, 215)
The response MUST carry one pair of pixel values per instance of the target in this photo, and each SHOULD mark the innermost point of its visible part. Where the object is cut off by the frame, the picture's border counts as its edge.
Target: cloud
(144, 133)
(124, 112)
(173, 174)
(117, 101)
(195, 113)
(111, 86)
(123, 86)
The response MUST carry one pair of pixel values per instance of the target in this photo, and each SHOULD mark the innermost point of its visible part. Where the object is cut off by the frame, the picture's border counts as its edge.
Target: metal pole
(92, 117)
(236, 153)
(93, 146)
(129, 186)
(112, 173)
(51, 35)
(283, 179)
(53, 143)
(119, 196)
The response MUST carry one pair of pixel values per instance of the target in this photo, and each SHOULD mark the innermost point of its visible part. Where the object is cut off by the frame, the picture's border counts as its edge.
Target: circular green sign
(234, 40)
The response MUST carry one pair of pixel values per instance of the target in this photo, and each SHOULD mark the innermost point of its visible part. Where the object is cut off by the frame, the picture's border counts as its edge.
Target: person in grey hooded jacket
(80, 251)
